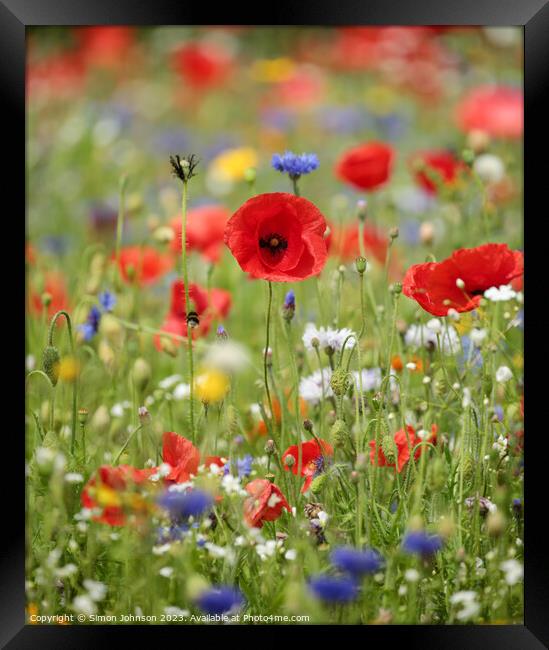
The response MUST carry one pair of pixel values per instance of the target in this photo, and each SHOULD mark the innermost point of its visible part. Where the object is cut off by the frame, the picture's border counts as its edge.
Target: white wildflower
(328, 337)
(310, 387)
(477, 336)
(74, 477)
(84, 605)
(503, 374)
(96, 590)
(181, 391)
(489, 168)
(170, 381)
(470, 606)
(422, 335)
(513, 570)
(370, 377)
(411, 575)
(176, 611)
(227, 356)
(505, 292)
(291, 554)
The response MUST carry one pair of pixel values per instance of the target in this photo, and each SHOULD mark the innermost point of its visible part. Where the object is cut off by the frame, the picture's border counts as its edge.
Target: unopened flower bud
(389, 449)
(339, 381)
(396, 288)
(270, 449)
(318, 483)
(141, 373)
(50, 363)
(250, 175)
(460, 284)
(307, 425)
(46, 299)
(362, 209)
(144, 415)
(163, 235)
(82, 416)
(360, 264)
(393, 233)
(339, 433)
(426, 233)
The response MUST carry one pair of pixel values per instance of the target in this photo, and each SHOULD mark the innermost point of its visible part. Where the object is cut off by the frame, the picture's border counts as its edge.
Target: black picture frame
(17, 15)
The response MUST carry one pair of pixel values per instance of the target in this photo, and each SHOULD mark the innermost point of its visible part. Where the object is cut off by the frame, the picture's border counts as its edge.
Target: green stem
(266, 351)
(120, 222)
(130, 437)
(187, 305)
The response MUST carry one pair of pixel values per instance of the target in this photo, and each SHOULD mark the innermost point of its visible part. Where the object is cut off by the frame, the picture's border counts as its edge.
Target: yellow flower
(232, 164)
(467, 321)
(272, 70)
(106, 496)
(68, 369)
(212, 386)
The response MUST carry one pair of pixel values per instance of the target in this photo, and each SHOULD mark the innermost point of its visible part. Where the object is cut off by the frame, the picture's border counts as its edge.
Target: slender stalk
(120, 221)
(187, 306)
(266, 351)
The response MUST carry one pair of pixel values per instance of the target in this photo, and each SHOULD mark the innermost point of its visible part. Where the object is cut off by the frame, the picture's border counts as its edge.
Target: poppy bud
(289, 461)
(168, 346)
(163, 235)
(468, 156)
(478, 141)
(360, 264)
(250, 175)
(495, 523)
(355, 477)
(318, 483)
(468, 464)
(339, 381)
(389, 448)
(50, 363)
(396, 288)
(110, 327)
(426, 233)
(82, 416)
(270, 477)
(307, 425)
(339, 433)
(315, 342)
(141, 373)
(361, 462)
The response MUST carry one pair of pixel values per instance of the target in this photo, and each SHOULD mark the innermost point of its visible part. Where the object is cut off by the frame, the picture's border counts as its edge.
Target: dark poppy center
(274, 243)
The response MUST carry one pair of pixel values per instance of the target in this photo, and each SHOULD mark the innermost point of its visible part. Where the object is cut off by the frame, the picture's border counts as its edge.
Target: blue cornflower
(220, 599)
(355, 561)
(222, 333)
(182, 505)
(421, 543)
(289, 301)
(295, 164)
(91, 326)
(334, 589)
(107, 300)
(244, 465)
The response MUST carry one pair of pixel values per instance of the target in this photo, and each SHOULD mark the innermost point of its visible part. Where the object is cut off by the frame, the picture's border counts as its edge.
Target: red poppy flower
(205, 231)
(404, 444)
(278, 237)
(175, 321)
(439, 166)
(106, 491)
(312, 459)
(434, 284)
(202, 65)
(143, 264)
(104, 45)
(265, 502)
(55, 285)
(496, 110)
(366, 167)
(182, 456)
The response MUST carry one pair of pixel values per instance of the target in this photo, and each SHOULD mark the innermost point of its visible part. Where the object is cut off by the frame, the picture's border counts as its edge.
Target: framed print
(274, 322)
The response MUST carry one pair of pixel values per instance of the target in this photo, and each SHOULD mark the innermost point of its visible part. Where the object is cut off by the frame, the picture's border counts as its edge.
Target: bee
(193, 320)
(312, 509)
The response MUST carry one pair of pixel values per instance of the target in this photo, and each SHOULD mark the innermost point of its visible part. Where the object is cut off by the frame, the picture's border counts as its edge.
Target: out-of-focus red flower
(205, 231)
(56, 286)
(344, 244)
(313, 459)
(265, 502)
(55, 76)
(107, 490)
(367, 166)
(278, 237)
(304, 88)
(203, 65)
(182, 456)
(104, 45)
(175, 321)
(434, 285)
(143, 264)
(404, 445)
(436, 167)
(496, 110)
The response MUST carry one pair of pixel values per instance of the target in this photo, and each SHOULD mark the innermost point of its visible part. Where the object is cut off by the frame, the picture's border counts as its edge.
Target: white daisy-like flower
(411, 575)
(371, 379)
(503, 374)
(422, 335)
(176, 611)
(489, 168)
(470, 606)
(84, 605)
(478, 335)
(228, 356)
(231, 485)
(501, 294)
(181, 391)
(328, 337)
(66, 571)
(310, 387)
(513, 570)
(291, 554)
(74, 477)
(96, 590)
(170, 381)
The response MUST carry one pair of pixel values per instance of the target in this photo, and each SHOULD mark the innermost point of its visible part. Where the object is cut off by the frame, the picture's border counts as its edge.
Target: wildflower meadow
(274, 333)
